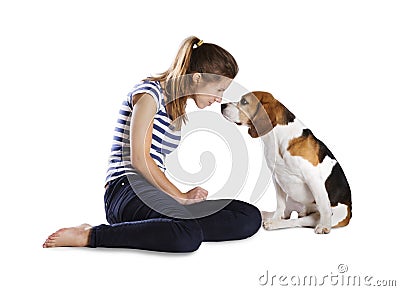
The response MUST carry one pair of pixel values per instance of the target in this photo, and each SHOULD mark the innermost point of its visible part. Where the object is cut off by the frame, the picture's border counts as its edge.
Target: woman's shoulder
(152, 88)
(147, 85)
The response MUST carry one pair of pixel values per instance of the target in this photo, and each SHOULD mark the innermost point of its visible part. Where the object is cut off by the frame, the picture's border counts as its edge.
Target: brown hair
(193, 57)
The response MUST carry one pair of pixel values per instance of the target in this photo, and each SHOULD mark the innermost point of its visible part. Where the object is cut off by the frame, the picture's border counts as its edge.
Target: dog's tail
(341, 215)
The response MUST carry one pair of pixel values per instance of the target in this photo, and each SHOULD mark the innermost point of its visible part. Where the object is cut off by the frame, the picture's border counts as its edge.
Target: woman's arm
(141, 137)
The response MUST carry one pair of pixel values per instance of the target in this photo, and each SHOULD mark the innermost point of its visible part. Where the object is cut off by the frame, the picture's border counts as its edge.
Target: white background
(65, 67)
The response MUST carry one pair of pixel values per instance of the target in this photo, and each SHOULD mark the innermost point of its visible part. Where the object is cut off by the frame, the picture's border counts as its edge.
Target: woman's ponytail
(181, 63)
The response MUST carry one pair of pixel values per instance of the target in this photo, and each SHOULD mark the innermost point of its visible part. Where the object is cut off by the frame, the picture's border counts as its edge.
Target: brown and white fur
(306, 175)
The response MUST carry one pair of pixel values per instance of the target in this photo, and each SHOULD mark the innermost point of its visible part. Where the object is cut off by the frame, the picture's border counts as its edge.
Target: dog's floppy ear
(260, 124)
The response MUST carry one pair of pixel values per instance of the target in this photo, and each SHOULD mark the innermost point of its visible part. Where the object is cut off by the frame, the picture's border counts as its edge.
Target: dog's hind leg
(292, 205)
(310, 220)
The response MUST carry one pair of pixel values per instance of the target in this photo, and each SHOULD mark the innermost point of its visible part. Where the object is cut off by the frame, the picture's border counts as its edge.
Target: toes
(49, 244)
(319, 229)
(326, 230)
(53, 236)
(50, 241)
(268, 224)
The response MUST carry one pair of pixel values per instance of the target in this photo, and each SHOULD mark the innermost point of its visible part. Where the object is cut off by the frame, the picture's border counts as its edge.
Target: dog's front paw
(322, 229)
(269, 224)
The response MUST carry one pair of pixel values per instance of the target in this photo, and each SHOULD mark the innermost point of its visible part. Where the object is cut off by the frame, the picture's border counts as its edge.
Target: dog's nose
(223, 106)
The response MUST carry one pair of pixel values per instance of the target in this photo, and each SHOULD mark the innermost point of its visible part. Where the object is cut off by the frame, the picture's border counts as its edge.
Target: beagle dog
(306, 175)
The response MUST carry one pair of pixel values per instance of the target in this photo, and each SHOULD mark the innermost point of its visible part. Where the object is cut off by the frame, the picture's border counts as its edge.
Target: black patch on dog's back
(323, 149)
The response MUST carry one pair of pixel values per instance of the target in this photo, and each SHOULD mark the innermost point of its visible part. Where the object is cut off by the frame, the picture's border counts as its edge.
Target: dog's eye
(243, 101)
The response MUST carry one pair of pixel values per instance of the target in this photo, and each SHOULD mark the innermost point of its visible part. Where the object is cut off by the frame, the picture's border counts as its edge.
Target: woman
(144, 209)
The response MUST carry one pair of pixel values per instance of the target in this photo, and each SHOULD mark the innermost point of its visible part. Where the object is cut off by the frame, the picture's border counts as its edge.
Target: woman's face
(206, 93)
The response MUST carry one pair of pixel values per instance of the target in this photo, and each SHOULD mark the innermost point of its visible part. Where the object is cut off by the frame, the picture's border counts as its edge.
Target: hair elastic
(199, 43)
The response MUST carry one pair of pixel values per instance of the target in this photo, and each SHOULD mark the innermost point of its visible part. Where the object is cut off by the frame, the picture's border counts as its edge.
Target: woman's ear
(196, 78)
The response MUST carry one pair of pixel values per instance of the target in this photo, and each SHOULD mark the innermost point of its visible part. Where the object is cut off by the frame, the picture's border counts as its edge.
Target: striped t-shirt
(164, 138)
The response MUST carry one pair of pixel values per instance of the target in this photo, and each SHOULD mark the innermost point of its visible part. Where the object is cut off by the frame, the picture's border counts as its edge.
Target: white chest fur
(293, 173)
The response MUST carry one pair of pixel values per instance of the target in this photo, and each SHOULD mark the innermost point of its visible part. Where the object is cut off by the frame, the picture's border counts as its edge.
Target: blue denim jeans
(143, 217)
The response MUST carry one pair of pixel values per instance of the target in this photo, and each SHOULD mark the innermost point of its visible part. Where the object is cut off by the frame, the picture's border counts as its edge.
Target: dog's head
(260, 111)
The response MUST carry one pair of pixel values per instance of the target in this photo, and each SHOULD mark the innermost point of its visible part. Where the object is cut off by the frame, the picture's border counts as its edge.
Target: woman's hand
(195, 195)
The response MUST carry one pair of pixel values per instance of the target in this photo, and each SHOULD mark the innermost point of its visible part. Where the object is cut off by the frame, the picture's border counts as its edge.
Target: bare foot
(77, 236)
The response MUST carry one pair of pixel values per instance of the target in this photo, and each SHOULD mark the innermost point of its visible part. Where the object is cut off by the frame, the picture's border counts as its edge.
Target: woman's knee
(250, 220)
(189, 236)
(255, 218)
